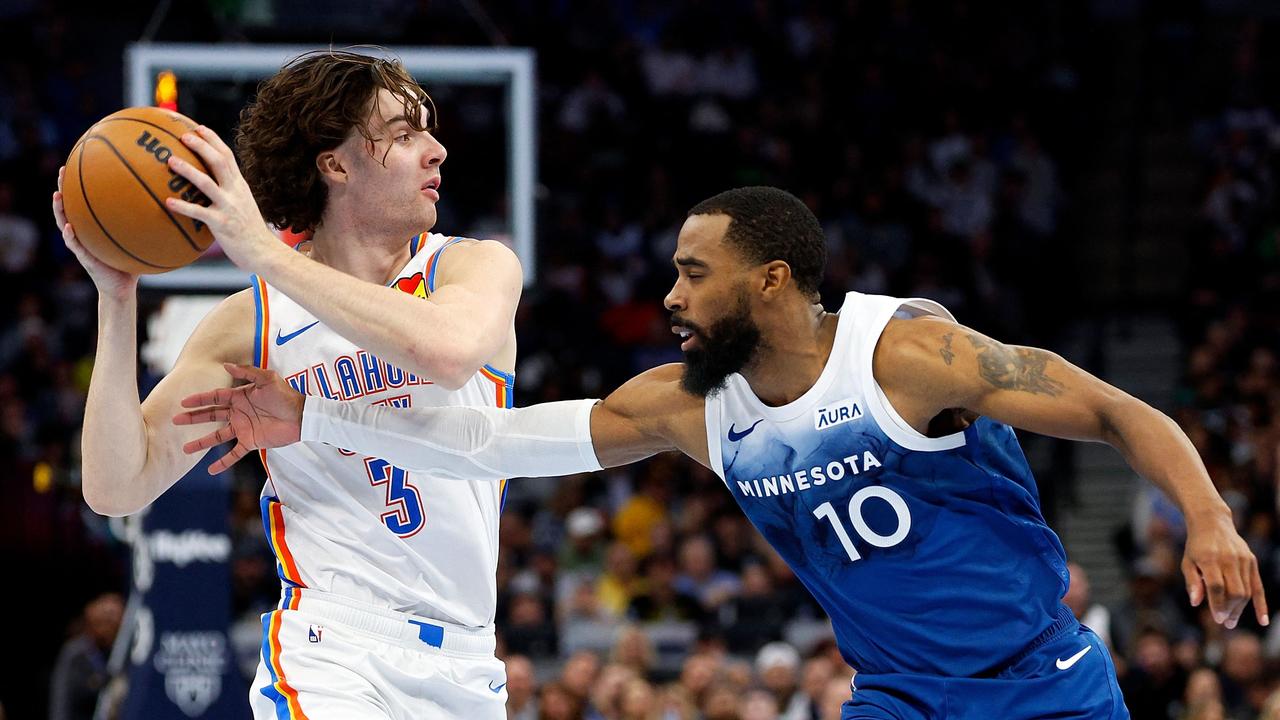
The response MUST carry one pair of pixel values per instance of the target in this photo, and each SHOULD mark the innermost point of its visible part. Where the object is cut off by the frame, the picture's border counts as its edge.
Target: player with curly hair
(388, 578)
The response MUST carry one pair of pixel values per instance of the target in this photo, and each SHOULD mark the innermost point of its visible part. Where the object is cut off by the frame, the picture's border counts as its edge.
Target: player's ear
(775, 277)
(330, 166)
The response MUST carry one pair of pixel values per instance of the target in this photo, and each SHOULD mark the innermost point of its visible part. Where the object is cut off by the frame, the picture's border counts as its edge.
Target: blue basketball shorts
(1069, 676)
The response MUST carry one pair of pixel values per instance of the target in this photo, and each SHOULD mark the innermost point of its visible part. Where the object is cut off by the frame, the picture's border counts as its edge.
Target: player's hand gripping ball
(114, 191)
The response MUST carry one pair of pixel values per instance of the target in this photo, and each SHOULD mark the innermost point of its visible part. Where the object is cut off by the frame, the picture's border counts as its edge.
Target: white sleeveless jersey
(356, 526)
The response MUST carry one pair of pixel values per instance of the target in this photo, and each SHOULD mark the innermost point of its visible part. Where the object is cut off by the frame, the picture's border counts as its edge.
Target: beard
(725, 348)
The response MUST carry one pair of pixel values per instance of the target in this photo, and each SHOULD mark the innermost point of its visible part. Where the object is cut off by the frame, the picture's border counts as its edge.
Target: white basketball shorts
(330, 658)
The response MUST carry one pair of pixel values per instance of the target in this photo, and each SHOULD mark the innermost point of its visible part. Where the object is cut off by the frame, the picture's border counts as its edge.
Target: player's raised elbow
(103, 496)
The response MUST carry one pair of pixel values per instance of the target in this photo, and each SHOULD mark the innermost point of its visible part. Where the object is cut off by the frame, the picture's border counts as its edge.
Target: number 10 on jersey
(405, 517)
(860, 526)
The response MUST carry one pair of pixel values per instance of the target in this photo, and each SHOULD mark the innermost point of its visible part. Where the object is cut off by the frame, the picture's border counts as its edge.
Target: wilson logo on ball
(153, 146)
(177, 184)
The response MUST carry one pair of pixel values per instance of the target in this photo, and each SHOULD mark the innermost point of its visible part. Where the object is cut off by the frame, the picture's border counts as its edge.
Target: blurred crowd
(1178, 661)
(938, 144)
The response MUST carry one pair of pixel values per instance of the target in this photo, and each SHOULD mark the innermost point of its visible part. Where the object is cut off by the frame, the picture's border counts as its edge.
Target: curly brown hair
(311, 105)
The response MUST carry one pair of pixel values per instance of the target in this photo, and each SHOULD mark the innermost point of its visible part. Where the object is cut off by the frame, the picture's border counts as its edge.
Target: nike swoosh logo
(1066, 664)
(496, 689)
(736, 436)
(282, 339)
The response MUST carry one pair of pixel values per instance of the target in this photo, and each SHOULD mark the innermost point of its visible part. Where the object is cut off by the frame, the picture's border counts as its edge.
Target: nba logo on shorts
(314, 632)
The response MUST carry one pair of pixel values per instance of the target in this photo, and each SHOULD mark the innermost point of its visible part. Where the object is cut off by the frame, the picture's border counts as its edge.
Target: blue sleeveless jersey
(930, 555)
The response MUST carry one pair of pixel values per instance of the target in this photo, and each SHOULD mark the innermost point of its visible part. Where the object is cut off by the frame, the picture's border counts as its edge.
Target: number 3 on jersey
(406, 516)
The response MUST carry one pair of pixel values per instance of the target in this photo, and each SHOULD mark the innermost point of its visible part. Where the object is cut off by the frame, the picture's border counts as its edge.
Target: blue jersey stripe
(507, 377)
(434, 262)
(259, 332)
(270, 691)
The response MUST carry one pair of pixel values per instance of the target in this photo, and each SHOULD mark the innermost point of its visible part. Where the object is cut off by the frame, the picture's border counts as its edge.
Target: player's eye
(402, 137)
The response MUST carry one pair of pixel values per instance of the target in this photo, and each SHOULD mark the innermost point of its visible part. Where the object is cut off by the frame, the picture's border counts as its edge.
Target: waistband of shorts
(403, 629)
(1063, 620)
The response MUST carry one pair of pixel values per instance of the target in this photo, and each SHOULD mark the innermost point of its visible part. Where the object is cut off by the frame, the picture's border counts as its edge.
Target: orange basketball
(115, 187)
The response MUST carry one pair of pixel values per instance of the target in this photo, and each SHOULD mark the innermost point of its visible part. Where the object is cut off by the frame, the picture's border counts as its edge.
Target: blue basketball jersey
(930, 555)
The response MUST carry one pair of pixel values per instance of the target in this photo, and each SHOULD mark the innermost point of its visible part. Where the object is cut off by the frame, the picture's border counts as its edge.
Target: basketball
(115, 188)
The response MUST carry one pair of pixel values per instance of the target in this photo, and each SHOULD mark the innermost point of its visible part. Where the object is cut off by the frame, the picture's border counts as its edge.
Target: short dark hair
(311, 106)
(767, 224)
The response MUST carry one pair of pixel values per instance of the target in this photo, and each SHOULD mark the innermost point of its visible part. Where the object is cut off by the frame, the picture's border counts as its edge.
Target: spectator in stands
(1148, 605)
(699, 672)
(607, 692)
(555, 702)
(81, 671)
(1154, 683)
(522, 703)
(619, 583)
(1204, 689)
(635, 521)
(658, 599)
(758, 705)
(834, 695)
(778, 667)
(18, 235)
(699, 577)
(633, 650)
(816, 673)
(580, 672)
(676, 704)
(637, 701)
(757, 614)
(1244, 687)
(1079, 598)
(530, 630)
(720, 703)
(583, 551)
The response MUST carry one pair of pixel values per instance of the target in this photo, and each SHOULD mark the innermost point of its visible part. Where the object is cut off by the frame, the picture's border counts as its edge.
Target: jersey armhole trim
(261, 322)
(433, 263)
(711, 411)
(504, 397)
(885, 415)
(261, 347)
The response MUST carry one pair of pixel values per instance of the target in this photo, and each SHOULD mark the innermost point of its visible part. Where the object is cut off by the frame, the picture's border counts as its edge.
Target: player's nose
(435, 153)
(674, 300)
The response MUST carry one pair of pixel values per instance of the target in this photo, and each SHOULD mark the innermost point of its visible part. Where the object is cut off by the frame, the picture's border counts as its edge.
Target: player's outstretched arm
(929, 365)
(648, 415)
(474, 304)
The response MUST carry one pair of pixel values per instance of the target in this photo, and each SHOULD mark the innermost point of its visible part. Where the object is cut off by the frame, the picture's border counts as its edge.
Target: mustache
(680, 321)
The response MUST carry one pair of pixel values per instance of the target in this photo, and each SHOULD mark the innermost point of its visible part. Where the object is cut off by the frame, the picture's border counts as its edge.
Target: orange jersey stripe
(282, 547)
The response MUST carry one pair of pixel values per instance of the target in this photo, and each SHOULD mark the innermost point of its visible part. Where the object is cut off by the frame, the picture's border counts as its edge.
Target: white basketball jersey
(356, 526)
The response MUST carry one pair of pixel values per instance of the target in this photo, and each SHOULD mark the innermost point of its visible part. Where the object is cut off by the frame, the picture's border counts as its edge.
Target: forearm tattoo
(1013, 368)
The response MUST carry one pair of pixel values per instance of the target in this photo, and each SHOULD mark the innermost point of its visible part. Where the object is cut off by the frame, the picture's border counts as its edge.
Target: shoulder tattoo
(1013, 368)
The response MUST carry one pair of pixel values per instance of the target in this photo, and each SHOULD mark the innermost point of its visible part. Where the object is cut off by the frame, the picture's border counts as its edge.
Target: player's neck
(375, 259)
(793, 351)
